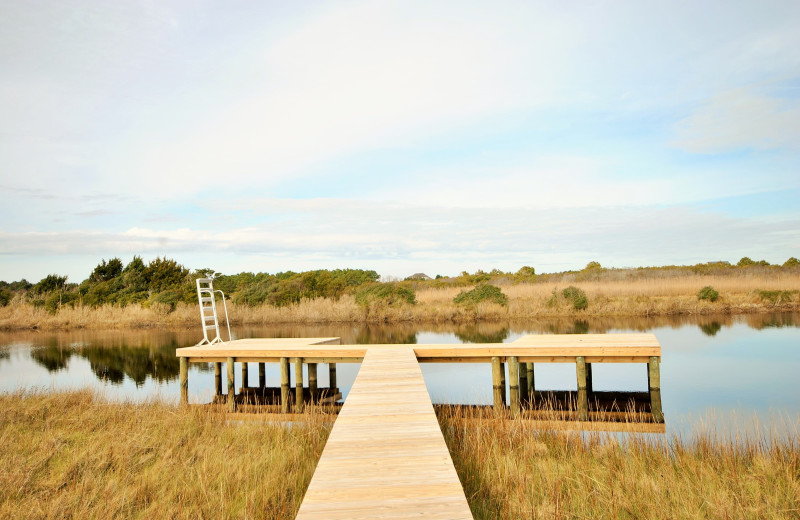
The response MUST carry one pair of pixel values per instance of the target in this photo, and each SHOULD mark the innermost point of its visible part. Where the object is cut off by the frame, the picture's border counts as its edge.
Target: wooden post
(531, 382)
(583, 396)
(285, 381)
(654, 382)
(523, 384)
(262, 375)
(497, 381)
(332, 376)
(218, 378)
(231, 387)
(312, 381)
(298, 384)
(589, 387)
(513, 384)
(184, 380)
(503, 380)
(245, 374)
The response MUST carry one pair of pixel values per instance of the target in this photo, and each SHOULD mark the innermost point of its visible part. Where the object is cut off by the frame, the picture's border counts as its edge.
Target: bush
(708, 293)
(576, 296)
(481, 293)
(385, 293)
(5, 297)
(791, 262)
(776, 297)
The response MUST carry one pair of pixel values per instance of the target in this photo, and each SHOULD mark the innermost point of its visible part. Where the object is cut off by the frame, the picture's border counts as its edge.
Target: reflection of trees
(569, 327)
(113, 364)
(52, 356)
(389, 335)
(4, 354)
(483, 333)
(710, 329)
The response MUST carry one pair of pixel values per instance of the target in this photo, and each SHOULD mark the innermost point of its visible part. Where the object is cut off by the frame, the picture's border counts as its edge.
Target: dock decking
(386, 457)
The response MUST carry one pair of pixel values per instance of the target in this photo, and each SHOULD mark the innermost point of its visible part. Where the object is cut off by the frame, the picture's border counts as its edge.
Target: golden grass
(653, 296)
(509, 470)
(72, 455)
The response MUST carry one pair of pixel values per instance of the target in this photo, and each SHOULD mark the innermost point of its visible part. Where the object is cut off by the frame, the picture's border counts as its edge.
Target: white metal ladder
(208, 311)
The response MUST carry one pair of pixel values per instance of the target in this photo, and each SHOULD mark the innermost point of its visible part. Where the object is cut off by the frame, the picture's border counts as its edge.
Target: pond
(717, 369)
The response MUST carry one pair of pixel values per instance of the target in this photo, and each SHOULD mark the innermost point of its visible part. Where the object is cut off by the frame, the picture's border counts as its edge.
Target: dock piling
(245, 374)
(589, 386)
(285, 382)
(497, 381)
(231, 386)
(513, 384)
(583, 395)
(217, 378)
(523, 384)
(654, 382)
(312, 381)
(262, 375)
(531, 382)
(332, 376)
(184, 378)
(298, 384)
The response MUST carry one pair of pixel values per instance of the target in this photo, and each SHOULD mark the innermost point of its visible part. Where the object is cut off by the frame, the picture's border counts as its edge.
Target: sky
(400, 136)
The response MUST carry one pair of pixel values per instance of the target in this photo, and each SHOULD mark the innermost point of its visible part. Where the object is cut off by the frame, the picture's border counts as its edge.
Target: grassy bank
(643, 296)
(510, 471)
(71, 455)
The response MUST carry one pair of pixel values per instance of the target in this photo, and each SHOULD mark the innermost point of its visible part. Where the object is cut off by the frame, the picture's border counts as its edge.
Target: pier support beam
(312, 381)
(531, 382)
(231, 386)
(583, 395)
(513, 385)
(654, 382)
(497, 382)
(184, 380)
(245, 374)
(285, 382)
(332, 376)
(217, 378)
(262, 375)
(523, 384)
(503, 381)
(298, 384)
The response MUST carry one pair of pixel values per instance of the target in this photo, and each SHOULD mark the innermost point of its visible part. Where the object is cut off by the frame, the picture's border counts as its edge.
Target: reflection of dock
(386, 453)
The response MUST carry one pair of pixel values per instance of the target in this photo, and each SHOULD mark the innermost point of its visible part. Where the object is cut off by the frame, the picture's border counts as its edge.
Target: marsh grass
(74, 455)
(510, 469)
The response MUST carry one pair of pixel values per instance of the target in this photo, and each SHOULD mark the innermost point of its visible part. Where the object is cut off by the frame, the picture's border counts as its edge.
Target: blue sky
(397, 136)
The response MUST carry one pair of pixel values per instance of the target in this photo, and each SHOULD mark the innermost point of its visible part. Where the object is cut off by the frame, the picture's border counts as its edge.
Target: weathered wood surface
(546, 348)
(386, 457)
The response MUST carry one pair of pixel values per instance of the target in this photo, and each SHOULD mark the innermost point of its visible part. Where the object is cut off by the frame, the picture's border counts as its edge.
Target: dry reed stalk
(509, 470)
(72, 455)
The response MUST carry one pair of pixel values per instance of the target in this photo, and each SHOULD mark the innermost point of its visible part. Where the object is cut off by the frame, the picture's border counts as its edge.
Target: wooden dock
(386, 457)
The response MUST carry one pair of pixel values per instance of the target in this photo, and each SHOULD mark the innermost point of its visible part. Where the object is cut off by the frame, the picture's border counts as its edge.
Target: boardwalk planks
(386, 457)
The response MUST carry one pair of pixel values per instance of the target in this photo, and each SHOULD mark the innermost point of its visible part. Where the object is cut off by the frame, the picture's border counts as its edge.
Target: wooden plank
(386, 457)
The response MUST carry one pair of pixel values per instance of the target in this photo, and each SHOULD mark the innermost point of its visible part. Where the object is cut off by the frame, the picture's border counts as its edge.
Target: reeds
(510, 469)
(72, 455)
(654, 296)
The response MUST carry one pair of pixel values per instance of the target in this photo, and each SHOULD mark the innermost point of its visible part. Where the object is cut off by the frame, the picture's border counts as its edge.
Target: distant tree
(50, 283)
(745, 261)
(526, 271)
(592, 266)
(163, 274)
(791, 262)
(107, 271)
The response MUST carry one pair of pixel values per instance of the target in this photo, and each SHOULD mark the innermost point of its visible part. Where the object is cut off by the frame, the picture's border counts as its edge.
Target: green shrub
(385, 293)
(576, 296)
(776, 297)
(708, 293)
(791, 262)
(56, 300)
(170, 298)
(481, 293)
(5, 297)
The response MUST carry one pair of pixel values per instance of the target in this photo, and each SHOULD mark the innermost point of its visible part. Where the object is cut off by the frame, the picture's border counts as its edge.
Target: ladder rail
(207, 302)
(227, 321)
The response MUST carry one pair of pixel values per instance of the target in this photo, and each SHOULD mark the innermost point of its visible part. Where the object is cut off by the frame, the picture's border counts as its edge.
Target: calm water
(748, 365)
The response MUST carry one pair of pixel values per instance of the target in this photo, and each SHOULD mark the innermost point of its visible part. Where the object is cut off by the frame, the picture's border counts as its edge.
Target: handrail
(225, 306)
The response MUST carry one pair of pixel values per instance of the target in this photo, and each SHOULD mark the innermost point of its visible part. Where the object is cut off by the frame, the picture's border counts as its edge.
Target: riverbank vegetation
(72, 455)
(162, 293)
(511, 470)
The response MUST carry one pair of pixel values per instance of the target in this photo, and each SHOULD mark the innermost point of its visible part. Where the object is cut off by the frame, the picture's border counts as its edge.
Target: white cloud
(741, 119)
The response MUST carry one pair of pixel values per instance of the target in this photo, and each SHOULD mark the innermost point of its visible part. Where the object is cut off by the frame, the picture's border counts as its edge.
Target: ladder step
(206, 318)
(210, 327)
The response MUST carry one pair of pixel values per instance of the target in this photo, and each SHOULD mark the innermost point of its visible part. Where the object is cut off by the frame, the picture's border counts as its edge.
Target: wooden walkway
(386, 457)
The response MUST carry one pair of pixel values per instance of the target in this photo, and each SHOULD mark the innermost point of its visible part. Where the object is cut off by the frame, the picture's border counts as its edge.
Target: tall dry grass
(72, 455)
(509, 470)
(655, 296)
